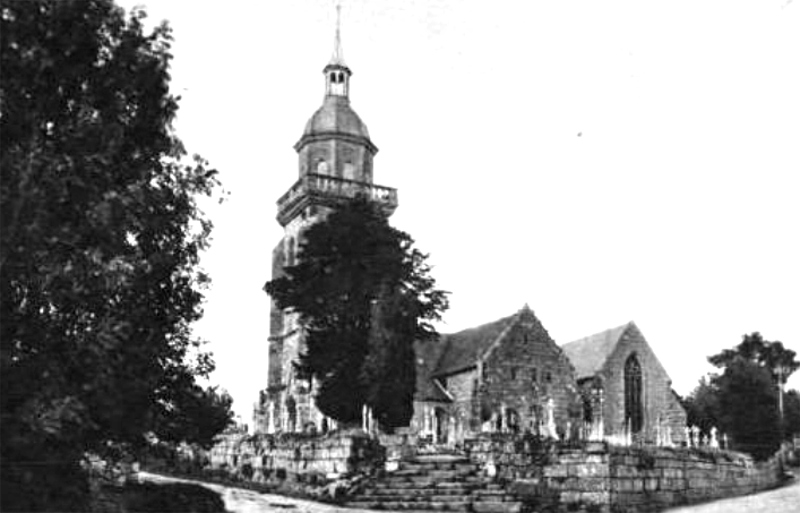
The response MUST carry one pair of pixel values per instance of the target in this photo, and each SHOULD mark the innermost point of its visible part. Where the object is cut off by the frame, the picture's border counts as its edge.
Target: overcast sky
(601, 161)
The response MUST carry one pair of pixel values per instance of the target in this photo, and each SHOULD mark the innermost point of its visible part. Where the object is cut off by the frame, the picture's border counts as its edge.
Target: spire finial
(338, 56)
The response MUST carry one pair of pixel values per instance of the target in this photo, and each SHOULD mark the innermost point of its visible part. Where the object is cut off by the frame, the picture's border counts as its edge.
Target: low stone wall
(264, 458)
(510, 457)
(598, 477)
(579, 476)
(656, 478)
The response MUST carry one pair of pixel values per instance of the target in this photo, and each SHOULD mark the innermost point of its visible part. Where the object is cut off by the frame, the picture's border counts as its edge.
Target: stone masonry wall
(512, 457)
(462, 387)
(654, 479)
(262, 458)
(599, 477)
(660, 406)
(526, 370)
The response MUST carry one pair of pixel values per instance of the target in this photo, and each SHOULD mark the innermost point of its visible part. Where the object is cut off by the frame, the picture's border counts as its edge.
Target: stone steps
(410, 497)
(433, 497)
(437, 473)
(497, 507)
(438, 490)
(465, 506)
(412, 506)
(492, 495)
(436, 483)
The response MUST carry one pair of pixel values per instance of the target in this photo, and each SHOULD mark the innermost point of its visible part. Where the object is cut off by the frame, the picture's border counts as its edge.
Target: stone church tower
(335, 164)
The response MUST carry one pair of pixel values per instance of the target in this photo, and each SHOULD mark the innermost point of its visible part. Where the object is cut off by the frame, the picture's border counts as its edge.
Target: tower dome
(335, 141)
(336, 117)
(335, 152)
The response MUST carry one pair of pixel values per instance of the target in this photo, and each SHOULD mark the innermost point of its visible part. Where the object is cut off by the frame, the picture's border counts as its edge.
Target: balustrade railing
(335, 188)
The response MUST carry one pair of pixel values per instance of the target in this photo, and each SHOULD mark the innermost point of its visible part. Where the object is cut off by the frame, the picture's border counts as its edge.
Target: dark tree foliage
(197, 417)
(364, 295)
(791, 413)
(98, 250)
(748, 408)
(742, 401)
(702, 406)
(754, 348)
(389, 369)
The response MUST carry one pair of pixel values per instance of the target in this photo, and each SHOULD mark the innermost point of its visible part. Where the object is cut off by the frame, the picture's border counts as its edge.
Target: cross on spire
(337, 74)
(338, 56)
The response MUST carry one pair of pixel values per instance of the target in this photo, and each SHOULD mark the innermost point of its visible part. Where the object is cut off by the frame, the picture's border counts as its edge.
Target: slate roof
(589, 354)
(336, 117)
(462, 349)
(428, 354)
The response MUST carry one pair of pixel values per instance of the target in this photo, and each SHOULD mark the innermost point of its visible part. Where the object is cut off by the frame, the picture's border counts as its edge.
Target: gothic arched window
(633, 394)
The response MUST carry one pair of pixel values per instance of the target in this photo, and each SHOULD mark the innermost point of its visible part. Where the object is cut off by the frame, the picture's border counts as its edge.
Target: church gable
(463, 349)
(521, 371)
(631, 342)
(636, 388)
(427, 355)
(589, 354)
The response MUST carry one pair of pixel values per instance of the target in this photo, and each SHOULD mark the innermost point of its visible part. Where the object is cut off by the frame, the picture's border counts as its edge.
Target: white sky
(602, 161)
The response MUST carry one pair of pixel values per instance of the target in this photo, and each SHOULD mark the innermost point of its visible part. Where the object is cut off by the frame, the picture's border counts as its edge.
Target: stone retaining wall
(663, 477)
(598, 477)
(508, 456)
(262, 458)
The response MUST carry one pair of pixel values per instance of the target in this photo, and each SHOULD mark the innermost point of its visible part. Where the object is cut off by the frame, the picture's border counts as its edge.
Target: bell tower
(335, 155)
(337, 74)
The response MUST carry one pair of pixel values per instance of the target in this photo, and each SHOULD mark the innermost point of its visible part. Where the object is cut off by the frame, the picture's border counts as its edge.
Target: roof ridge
(463, 348)
(602, 332)
(589, 354)
(513, 321)
(482, 325)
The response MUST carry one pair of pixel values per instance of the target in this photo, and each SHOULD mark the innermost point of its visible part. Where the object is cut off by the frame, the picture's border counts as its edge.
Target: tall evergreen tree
(98, 251)
(364, 294)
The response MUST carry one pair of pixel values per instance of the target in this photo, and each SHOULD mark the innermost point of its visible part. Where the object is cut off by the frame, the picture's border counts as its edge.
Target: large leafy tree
(364, 294)
(702, 406)
(98, 250)
(777, 361)
(780, 362)
(791, 412)
(742, 400)
(748, 408)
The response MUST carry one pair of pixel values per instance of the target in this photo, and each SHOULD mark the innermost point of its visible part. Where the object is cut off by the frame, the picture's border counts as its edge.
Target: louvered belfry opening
(633, 394)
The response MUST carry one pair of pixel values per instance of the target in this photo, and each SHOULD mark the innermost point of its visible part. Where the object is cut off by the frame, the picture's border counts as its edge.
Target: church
(507, 375)
(510, 376)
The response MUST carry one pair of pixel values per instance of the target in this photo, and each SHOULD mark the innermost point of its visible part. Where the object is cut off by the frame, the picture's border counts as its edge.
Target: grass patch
(158, 498)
